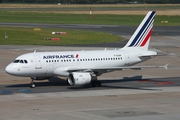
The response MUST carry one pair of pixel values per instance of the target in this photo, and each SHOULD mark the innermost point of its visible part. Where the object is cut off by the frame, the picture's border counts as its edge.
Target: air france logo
(77, 55)
(59, 56)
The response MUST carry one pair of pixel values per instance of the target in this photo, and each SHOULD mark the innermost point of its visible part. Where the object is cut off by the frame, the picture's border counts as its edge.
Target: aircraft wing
(115, 68)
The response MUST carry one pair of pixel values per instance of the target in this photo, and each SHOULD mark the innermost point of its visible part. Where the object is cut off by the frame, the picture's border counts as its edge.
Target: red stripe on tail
(147, 38)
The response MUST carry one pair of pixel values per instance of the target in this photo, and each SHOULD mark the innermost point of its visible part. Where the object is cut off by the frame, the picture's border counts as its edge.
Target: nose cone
(9, 69)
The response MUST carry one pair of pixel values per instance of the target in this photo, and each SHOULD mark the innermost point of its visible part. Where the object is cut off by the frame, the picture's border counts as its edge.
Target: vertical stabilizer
(141, 37)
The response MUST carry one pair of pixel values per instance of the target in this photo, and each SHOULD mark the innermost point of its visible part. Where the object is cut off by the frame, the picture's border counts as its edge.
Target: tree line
(92, 1)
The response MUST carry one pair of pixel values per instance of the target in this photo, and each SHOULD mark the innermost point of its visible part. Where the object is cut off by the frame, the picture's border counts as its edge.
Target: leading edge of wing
(115, 68)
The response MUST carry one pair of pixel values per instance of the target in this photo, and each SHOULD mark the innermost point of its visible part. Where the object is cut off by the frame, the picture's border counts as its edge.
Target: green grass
(27, 36)
(53, 18)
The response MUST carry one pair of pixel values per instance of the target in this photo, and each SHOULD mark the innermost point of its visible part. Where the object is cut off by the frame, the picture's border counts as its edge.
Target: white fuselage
(58, 63)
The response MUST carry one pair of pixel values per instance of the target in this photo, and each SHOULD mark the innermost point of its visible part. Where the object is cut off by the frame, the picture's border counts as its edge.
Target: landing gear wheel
(32, 85)
(96, 83)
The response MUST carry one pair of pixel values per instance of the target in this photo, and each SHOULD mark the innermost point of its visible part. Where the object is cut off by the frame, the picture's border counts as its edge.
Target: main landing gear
(96, 83)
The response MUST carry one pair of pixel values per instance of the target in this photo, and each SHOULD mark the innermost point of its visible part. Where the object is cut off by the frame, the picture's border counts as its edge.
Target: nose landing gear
(32, 85)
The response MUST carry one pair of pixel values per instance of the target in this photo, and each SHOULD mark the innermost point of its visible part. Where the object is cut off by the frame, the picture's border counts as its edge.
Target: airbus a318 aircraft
(83, 67)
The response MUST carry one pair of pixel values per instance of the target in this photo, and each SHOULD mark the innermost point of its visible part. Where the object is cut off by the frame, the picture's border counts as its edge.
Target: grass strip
(57, 18)
(27, 36)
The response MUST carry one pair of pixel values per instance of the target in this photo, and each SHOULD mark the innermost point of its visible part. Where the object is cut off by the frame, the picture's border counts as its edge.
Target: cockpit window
(16, 61)
(25, 61)
(20, 61)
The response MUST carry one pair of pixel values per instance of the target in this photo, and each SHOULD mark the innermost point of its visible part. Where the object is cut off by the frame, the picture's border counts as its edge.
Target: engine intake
(79, 78)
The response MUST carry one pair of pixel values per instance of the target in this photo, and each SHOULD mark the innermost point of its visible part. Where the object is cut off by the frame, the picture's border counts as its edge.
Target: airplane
(83, 67)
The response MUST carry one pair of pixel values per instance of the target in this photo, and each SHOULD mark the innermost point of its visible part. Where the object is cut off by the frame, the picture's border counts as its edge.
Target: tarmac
(147, 94)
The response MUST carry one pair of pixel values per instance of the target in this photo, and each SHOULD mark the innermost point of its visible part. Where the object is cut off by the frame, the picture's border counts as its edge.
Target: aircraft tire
(32, 85)
(96, 84)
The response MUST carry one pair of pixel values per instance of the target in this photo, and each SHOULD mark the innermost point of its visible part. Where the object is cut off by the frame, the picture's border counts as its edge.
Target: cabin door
(38, 64)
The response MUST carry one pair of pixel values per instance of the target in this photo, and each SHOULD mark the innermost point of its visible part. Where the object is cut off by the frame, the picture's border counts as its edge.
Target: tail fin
(141, 37)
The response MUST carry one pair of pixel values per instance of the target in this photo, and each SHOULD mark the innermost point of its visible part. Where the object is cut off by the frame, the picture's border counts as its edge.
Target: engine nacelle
(79, 78)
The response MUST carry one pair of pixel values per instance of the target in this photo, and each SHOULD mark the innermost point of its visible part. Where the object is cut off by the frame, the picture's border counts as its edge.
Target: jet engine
(79, 78)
